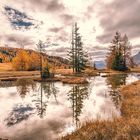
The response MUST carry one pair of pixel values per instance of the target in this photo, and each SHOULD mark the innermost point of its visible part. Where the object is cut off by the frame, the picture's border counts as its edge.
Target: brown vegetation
(5, 66)
(54, 79)
(91, 72)
(64, 71)
(125, 128)
(65, 80)
(74, 80)
(7, 54)
(10, 75)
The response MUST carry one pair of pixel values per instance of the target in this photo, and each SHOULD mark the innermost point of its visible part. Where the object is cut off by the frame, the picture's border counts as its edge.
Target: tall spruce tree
(119, 57)
(76, 54)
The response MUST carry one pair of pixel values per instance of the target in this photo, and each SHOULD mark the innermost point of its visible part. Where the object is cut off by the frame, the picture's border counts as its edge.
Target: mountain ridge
(136, 59)
(8, 53)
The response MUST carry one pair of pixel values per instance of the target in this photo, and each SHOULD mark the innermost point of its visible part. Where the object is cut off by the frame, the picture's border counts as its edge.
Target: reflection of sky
(132, 78)
(58, 119)
(99, 105)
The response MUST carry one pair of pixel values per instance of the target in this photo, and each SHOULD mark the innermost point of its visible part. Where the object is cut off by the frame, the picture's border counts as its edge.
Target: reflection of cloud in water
(99, 103)
(19, 113)
(132, 78)
(58, 119)
(40, 129)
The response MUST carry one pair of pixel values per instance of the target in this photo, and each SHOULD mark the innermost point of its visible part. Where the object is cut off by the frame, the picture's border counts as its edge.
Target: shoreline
(5, 75)
(125, 127)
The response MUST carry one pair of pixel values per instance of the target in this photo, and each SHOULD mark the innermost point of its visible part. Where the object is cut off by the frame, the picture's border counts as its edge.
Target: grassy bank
(64, 75)
(125, 128)
(11, 75)
(5, 67)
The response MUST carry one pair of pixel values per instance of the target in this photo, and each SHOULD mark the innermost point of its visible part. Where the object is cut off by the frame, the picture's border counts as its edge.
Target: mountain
(100, 64)
(136, 58)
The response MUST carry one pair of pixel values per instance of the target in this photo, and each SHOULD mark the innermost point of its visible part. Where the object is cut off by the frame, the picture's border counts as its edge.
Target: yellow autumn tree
(22, 61)
(34, 61)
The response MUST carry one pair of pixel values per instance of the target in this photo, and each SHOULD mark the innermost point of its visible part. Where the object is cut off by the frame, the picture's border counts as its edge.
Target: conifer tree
(77, 56)
(119, 57)
(40, 47)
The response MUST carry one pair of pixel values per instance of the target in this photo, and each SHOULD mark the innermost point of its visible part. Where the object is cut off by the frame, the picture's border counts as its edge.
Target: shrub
(46, 73)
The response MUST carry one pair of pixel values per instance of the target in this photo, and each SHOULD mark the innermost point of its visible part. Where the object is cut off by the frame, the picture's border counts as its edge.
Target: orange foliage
(21, 61)
(28, 61)
(34, 61)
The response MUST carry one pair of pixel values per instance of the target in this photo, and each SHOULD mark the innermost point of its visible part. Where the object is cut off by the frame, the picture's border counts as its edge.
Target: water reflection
(24, 86)
(19, 113)
(114, 82)
(41, 99)
(6, 84)
(76, 96)
(50, 110)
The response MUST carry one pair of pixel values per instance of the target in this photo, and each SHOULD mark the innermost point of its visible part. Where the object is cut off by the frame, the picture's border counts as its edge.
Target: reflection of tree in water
(6, 84)
(24, 86)
(18, 114)
(77, 95)
(42, 98)
(114, 82)
(116, 97)
(21, 111)
(50, 89)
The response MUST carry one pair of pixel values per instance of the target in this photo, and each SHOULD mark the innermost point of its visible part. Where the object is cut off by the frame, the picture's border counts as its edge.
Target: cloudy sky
(24, 22)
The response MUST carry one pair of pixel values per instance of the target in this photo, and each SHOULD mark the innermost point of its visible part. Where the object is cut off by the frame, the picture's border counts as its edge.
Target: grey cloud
(89, 11)
(106, 37)
(55, 29)
(20, 40)
(96, 52)
(67, 18)
(46, 130)
(61, 49)
(62, 38)
(120, 15)
(55, 5)
(47, 5)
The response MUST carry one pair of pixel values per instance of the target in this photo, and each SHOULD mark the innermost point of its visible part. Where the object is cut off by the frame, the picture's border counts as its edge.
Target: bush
(46, 73)
(118, 63)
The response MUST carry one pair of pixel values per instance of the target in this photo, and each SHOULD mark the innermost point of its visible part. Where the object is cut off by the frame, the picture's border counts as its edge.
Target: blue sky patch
(19, 20)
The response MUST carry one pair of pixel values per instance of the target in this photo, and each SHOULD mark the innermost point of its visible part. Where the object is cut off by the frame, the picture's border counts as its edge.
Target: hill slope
(8, 53)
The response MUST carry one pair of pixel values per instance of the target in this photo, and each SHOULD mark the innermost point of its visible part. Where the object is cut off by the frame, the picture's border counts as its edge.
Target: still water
(47, 111)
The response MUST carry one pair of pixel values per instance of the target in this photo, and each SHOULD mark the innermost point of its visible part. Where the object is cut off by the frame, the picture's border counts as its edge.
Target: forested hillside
(8, 54)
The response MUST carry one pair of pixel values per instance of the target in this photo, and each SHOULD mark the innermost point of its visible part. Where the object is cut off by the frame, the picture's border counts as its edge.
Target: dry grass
(64, 71)
(8, 75)
(74, 80)
(118, 129)
(69, 72)
(65, 80)
(6, 67)
(91, 72)
(136, 69)
(131, 102)
(125, 128)
(55, 79)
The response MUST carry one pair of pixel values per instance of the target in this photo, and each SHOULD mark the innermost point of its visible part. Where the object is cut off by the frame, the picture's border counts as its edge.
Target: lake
(46, 111)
